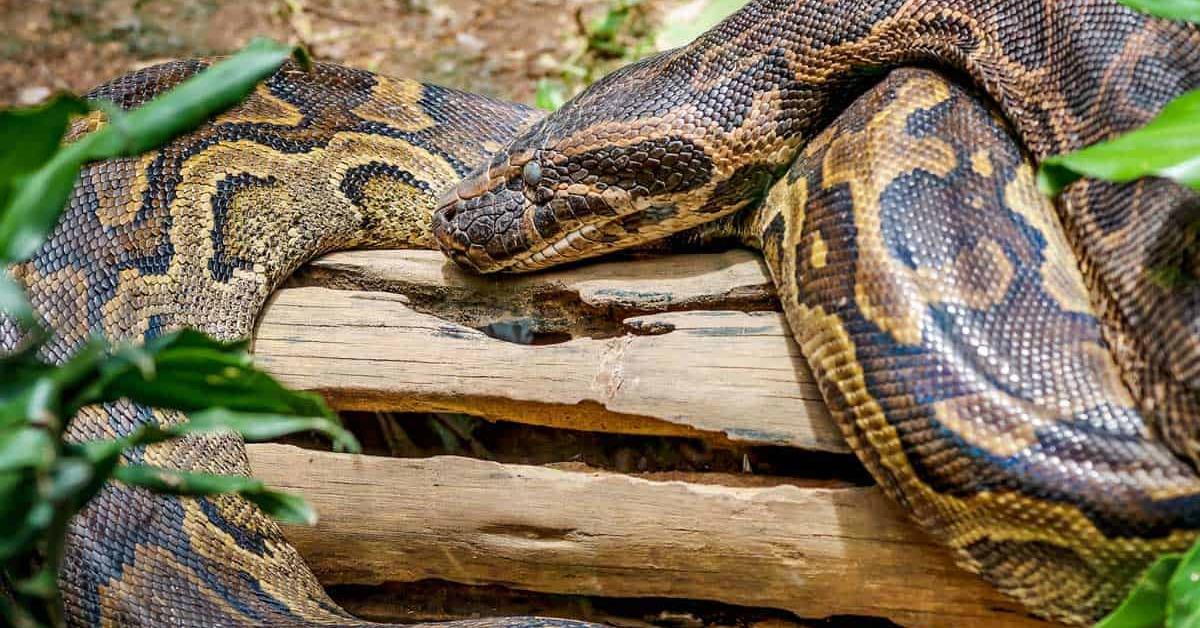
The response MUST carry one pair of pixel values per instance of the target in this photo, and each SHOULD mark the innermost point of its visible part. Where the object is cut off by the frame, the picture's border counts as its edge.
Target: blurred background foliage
(513, 49)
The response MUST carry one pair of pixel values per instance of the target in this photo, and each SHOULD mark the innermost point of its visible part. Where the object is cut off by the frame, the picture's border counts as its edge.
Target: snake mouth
(476, 223)
(525, 249)
(489, 224)
(453, 241)
(470, 235)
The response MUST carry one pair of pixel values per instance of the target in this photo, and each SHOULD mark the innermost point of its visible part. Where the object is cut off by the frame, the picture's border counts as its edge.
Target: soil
(497, 47)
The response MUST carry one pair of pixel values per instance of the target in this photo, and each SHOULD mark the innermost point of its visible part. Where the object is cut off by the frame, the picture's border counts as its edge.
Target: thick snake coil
(1041, 421)
(1010, 373)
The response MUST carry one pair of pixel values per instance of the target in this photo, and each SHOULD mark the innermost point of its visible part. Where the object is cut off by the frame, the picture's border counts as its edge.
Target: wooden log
(570, 299)
(812, 551)
(680, 371)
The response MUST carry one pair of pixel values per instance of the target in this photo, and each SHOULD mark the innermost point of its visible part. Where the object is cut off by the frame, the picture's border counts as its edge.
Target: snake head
(528, 207)
(605, 172)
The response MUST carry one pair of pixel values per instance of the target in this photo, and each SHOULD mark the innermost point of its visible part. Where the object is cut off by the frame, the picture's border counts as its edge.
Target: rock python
(1013, 375)
(1006, 371)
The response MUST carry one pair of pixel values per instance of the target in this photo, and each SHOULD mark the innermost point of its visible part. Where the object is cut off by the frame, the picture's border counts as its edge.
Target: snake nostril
(443, 232)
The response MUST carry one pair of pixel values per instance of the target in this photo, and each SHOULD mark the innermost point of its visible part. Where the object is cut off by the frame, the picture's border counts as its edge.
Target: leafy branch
(45, 480)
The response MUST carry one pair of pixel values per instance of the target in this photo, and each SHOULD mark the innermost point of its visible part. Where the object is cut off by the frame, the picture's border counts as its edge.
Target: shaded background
(532, 51)
(498, 47)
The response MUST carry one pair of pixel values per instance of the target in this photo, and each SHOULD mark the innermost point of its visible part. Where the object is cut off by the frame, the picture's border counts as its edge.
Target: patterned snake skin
(198, 234)
(1011, 372)
(1004, 396)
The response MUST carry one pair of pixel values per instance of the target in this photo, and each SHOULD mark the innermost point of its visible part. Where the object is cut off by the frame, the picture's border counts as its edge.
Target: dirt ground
(498, 47)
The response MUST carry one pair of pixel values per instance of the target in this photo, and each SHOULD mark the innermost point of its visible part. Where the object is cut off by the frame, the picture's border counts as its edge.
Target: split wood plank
(811, 551)
(730, 373)
(682, 371)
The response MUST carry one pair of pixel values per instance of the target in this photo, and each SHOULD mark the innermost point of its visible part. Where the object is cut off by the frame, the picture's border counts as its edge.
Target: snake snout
(478, 224)
(452, 241)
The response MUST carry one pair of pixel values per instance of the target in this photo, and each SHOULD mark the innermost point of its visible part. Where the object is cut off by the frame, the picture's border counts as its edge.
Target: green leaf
(13, 301)
(70, 477)
(24, 522)
(692, 19)
(192, 102)
(17, 498)
(1146, 605)
(287, 508)
(1172, 9)
(256, 427)
(284, 507)
(550, 95)
(1183, 589)
(192, 372)
(175, 482)
(41, 405)
(43, 584)
(27, 447)
(31, 136)
(1169, 146)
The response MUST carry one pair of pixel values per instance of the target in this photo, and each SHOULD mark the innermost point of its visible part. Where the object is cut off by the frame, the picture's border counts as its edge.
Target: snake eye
(532, 174)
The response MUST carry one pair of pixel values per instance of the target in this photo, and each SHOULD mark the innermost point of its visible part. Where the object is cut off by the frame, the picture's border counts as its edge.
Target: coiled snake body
(1012, 374)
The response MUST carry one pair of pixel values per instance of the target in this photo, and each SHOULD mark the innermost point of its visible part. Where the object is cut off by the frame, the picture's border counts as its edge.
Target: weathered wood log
(683, 346)
(660, 364)
(812, 551)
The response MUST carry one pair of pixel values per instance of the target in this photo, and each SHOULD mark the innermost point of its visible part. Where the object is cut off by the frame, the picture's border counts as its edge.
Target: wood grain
(668, 367)
(812, 551)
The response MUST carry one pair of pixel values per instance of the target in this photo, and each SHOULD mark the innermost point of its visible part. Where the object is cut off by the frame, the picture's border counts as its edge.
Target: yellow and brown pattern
(1011, 371)
(949, 328)
(1014, 376)
(197, 234)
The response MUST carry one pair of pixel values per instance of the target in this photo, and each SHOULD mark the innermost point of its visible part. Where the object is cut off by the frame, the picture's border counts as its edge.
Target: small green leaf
(38, 132)
(1146, 605)
(1171, 9)
(43, 584)
(13, 301)
(70, 477)
(550, 95)
(27, 447)
(194, 101)
(17, 504)
(1183, 605)
(287, 508)
(1169, 146)
(174, 482)
(41, 405)
(256, 427)
(692, 19)
(192, 373)
(284, 507)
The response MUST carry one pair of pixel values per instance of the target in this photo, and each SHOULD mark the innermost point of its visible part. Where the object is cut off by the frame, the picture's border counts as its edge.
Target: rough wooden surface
(646, 356)
(684, 345)
(812, 551)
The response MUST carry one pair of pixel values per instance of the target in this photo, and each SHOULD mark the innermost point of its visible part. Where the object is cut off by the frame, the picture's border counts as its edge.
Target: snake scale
(1007, 368)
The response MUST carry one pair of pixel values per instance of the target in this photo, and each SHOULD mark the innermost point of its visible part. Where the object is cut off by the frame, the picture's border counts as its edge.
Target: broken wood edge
(278, 329)
(586, 415)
